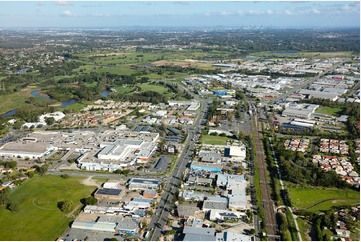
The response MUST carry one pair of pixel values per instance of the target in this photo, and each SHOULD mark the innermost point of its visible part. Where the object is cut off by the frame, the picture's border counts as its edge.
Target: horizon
(176, 14)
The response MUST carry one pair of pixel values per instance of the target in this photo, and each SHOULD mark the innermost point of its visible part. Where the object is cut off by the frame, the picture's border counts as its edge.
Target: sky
(98, 14)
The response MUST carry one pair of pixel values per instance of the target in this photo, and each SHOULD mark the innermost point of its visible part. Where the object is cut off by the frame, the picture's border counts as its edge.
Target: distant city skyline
(97, 14)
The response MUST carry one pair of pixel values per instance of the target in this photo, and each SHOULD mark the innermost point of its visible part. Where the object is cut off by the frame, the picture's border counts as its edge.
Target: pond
(10, 113)
(105, 93)
(36, 93)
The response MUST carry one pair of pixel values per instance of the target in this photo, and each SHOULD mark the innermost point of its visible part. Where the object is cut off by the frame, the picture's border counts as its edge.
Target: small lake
(10, 113)
(105, 93)
(69, 102)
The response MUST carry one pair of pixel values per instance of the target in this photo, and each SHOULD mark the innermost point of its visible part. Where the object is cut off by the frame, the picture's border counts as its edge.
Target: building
(210, 156)
(143, 184)
(202, 166)
(229, 236)
(108, 193)
(150, 193)
(300, 110)
(199, 234)
(112, 184)
(215, 202)
(236, 153)
(186, 210)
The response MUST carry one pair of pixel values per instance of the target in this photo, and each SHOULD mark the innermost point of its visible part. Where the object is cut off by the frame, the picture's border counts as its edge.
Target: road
(165, 205)
(267, 202)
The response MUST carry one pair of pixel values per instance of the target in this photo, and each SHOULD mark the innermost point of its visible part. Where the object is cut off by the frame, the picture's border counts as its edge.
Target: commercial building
(199, 234)
(143, 184)
(108, 193)
(215, 202)
(202, 166)
(300, 110)
(229, 236)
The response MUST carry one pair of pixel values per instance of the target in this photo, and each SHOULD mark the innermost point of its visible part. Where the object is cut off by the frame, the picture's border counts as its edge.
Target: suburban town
(179, 135)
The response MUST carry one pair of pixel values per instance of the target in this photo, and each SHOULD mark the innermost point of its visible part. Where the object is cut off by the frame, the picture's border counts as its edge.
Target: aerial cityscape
(179, 121)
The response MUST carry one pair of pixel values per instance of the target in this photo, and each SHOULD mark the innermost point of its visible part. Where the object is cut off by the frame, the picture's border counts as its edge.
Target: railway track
(267, 202)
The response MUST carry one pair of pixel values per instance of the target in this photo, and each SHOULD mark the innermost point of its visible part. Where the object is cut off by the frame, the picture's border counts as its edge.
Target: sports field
(214, 140)
(39, 218)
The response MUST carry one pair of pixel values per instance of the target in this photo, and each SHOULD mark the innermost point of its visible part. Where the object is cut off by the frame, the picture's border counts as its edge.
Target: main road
(165, 205)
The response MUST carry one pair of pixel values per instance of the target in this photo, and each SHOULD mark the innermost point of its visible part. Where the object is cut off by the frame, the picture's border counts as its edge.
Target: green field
(215, 140)
(38, 217)
(15, 100)
(329, 111)
(155, 88)
(318, 199)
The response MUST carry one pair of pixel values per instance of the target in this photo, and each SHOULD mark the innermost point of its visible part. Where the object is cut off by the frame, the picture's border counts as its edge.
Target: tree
(13, 207)
(10, 164)
(90, 201)
(4, 195)
(65, 206)
(49, 120)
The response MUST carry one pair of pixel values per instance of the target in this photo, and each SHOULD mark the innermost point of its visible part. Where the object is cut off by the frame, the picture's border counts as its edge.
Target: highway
(165, 205)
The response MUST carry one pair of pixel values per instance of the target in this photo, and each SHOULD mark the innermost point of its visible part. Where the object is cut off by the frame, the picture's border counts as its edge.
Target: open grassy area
(330, 111)
(304, 228)
(39, 217)
(15, 100)
(214, 140)
(155, 88)
(318, 199)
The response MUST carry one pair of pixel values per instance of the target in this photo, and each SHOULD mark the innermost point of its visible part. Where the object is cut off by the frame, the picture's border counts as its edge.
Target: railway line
(267, 202)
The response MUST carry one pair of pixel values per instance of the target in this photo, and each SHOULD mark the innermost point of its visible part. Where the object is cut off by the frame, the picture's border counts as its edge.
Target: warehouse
(108, 193)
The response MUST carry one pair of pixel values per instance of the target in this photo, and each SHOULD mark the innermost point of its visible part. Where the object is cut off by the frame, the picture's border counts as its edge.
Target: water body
(105, 93)
(285, 53)
(10, 113)
(36, 93)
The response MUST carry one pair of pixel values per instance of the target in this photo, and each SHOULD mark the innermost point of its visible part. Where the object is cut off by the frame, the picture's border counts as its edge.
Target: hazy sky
(186, 13)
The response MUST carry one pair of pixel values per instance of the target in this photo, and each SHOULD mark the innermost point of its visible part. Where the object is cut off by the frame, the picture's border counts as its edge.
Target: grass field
(330, 111)
(214, 140)
(304, 228)
(15, 100)
(155, 88)
(38, 217)
(318, 199)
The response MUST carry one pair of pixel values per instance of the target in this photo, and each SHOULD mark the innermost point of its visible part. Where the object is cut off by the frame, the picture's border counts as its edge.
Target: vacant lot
(39, 217)
(330, 111)
(317, 199)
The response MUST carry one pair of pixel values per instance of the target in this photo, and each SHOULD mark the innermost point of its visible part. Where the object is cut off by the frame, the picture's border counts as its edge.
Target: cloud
(67, 13)
(270, 12)
(316, 11)
(62, 3)
(225, 13)
(288, 12)
(181, 3)
(40, 3)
